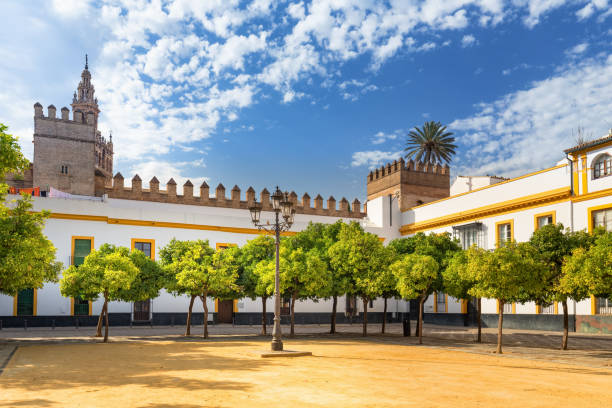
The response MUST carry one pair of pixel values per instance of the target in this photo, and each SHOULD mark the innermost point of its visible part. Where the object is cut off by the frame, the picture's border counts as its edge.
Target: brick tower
(71, 155)
(413, 183)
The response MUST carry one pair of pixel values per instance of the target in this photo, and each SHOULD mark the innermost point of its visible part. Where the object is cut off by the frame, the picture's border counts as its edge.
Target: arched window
(602, 166)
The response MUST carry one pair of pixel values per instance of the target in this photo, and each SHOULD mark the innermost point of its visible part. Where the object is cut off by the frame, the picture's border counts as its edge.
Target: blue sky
(312, 95)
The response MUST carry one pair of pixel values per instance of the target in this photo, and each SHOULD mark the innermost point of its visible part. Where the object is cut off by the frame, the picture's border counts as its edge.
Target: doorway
(225, 314)
(142, 310)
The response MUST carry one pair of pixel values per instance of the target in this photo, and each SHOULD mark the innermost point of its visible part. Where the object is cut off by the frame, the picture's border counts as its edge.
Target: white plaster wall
(600, 183)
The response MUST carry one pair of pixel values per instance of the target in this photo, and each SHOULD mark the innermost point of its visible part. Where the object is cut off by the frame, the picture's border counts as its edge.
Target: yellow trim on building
(590, 211)
(224, 245)
(500, 223)
(235, 305)
(145, 223)
(585, 175)
(513, 308)
(576, 175)
(436, 303)
(593, 305)
(488, 211)
(544, 214)
(464, 306)
(538, 309)
(445, 303)
(150, 241)
(490, 186)
(593, 195)
(556, 308)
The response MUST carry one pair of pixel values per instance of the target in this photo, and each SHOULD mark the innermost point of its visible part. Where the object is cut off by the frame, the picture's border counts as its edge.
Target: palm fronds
(430, 144)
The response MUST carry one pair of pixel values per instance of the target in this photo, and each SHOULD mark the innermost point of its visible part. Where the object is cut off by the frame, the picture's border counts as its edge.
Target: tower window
(64, 169)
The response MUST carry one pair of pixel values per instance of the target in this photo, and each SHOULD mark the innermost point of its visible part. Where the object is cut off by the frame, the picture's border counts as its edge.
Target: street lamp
(281, 207)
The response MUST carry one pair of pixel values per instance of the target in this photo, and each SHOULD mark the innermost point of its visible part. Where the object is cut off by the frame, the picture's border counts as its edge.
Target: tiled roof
(589, 144)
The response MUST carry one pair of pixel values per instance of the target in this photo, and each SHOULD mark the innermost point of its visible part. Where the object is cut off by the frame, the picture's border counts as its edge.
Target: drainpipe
(571, 203)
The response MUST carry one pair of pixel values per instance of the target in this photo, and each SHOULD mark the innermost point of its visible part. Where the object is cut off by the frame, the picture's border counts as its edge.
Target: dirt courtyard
(341, 373)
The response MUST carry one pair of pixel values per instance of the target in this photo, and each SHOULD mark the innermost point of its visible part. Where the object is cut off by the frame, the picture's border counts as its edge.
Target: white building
(403, 198)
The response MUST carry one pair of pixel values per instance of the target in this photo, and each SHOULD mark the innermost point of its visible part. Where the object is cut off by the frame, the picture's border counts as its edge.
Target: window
(469, 234)
(64, 169)
(145, 245)
(544, 219)
(504, 232)
(603, 218)
(548, 309)
(25, 303)
(508, 308)
(603, 306)
(602, 166)
(440, 302)
(81, 247)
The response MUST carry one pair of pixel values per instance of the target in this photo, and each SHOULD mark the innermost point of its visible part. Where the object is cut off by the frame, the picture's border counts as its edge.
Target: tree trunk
(205, 335)
(565, 326)
(384, 317)
(421, 302)
(105, 320)
(188, 329)
(478, 312)
(263, 315)
(365, 316)
(332, 329)
(293, 296)
(500, 324)
(99, 328)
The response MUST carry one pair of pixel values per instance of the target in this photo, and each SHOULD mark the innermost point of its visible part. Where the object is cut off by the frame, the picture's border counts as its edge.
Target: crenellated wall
(169, 195)
(415, 182)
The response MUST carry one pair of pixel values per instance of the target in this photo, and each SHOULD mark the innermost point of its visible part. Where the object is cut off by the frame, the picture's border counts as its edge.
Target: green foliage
(107, 272)
(430, 144)
(11, 158)
(457, 279)
(589, 271)
(416, 275)
(554, 245)
(402, 246)
(27, 257)
(201, 271)
(253, 252)
(170, 255)
(360, 256)
(512, 273)
(150, 279)
(303, 274)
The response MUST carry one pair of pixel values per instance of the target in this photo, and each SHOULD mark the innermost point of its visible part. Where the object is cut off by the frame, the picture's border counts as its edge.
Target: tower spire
(86, 67)
(84, 99)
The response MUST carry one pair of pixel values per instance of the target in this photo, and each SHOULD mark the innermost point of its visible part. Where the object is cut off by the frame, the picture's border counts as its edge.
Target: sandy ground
(342, 372)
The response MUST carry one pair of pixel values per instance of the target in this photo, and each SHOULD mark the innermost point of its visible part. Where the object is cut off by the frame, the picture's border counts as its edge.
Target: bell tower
(83, 99)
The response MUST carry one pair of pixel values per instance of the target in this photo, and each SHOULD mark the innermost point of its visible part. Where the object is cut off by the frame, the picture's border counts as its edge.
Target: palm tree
(430, 144)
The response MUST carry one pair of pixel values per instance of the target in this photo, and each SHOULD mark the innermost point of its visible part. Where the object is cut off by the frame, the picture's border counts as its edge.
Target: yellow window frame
(536, 217)
(34, 303)
(150, 241)
(504, 222)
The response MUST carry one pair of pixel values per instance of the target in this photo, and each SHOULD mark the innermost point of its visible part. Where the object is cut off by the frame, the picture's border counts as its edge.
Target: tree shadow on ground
(153, 365)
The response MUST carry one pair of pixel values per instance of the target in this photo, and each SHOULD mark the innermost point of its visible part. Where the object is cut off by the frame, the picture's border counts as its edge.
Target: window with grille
(144, 247)
(507, 307)
(603, 218)
(602, 166)
(504, 234)
(470, 234)
(603, 305)
(548, 309)
(81, 307)
(440, 302)
(64, 169)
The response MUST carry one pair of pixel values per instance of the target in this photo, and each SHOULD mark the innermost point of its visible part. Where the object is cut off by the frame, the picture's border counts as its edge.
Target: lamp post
(282, 207)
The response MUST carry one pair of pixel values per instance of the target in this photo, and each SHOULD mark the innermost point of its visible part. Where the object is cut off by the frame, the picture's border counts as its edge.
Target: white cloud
(71, 8)
(382, 137)
(468, 40)
(528, 129)
(164, 171)
(577, 49)
(590, 8)
(374, 158)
